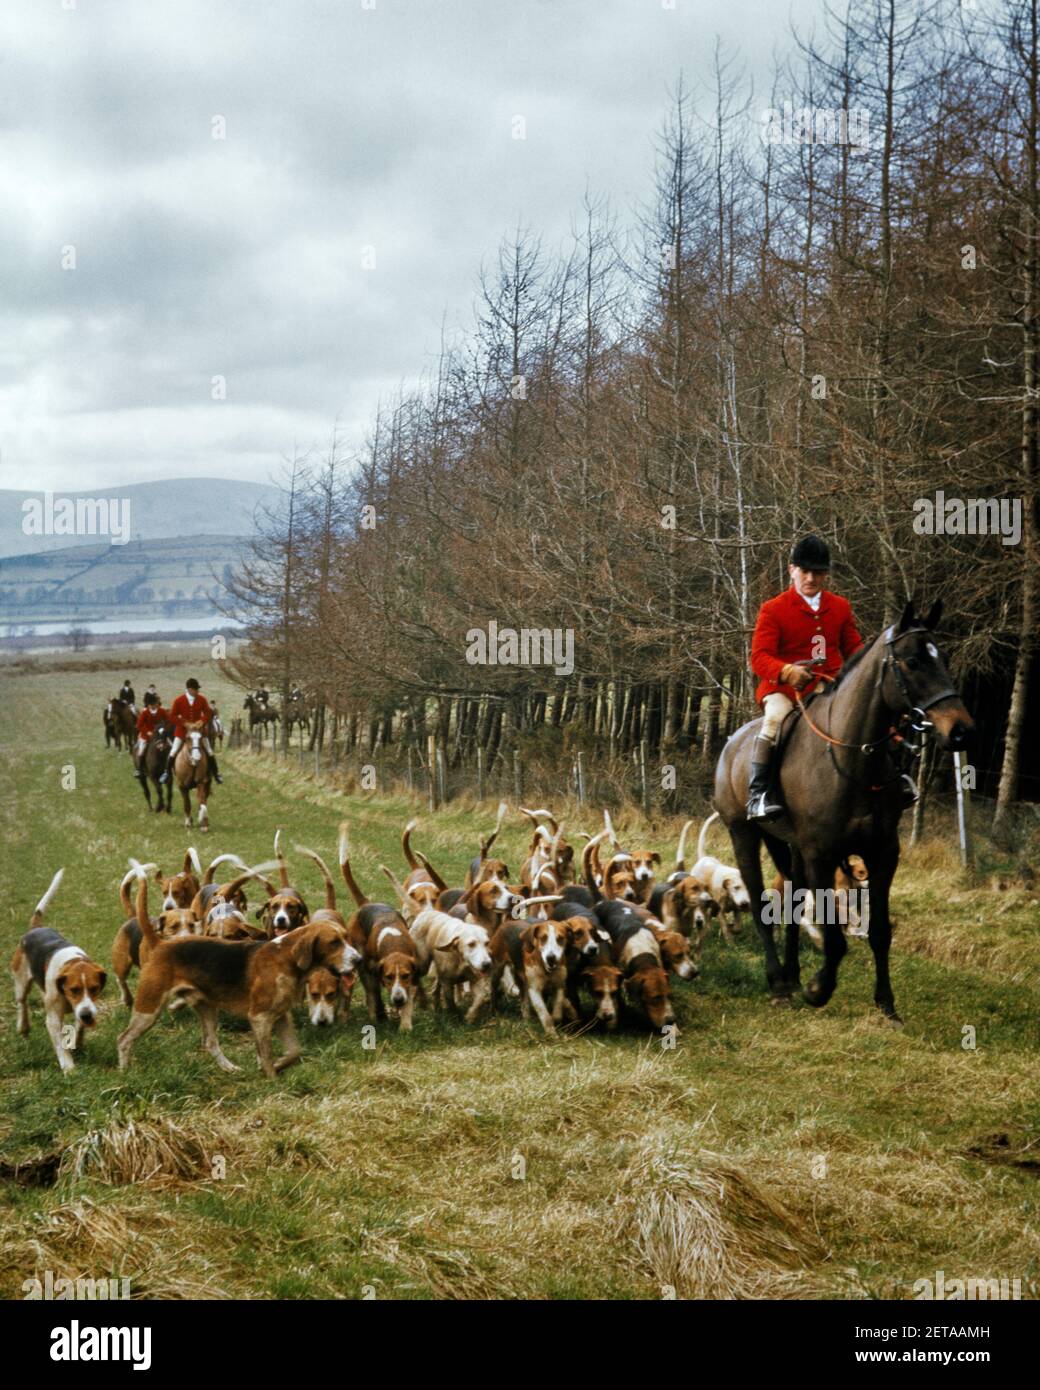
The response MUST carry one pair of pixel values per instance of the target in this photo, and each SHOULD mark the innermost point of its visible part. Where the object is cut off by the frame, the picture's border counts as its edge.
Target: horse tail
(406, 846)
(344, 867)
(704, 832)
(45, 901)
(330, 887)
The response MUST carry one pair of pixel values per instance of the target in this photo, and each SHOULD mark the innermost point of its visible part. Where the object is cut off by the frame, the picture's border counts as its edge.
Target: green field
(771, 1153)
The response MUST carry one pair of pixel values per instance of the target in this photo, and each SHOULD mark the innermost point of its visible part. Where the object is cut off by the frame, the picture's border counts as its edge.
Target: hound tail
(406, 845)
(135, 871)
(344, 867)
(46, 900)
(191, 862)
(224, 859)
(680, 853)
(704, 833)
(409, 907)
(330, 887)
(283, 869)
(140, 872)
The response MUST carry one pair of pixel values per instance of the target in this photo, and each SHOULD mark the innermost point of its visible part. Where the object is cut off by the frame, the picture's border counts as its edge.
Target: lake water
(110, 626)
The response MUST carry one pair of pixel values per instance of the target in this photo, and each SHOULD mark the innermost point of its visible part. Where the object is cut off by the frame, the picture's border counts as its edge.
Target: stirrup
(763, 807)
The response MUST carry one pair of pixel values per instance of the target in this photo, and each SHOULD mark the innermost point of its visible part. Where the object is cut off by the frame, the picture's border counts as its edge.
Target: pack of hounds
(577, 954)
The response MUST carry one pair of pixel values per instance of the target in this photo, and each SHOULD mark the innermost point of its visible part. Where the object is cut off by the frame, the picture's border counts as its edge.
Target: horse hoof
(891, 1019)
(813, 994)
(781, 1001)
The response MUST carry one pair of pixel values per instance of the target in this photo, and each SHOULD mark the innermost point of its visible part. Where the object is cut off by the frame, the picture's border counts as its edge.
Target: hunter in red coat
(152, 715)
(190, 708)
(805, 628)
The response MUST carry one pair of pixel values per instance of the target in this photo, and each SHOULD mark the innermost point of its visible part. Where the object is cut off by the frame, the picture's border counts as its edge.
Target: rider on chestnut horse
(191, 707)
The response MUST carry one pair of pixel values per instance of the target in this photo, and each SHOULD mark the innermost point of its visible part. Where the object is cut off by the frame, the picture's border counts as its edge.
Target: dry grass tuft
(159, 1153)
(705, 1229)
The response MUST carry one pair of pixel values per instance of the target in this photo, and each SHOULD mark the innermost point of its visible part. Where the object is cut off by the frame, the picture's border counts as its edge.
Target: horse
(120, 724)
(191, 769)
(259, 713)
(296, 712)
(840, 794)
(152, 765)
(216, 729)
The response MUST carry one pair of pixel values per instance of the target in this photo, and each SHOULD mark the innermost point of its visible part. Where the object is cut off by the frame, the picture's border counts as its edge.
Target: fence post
(643, 782)
(962, 810)
(442, 776)
(518, 777)
(480, 774)
(431, 768)
(581, 779)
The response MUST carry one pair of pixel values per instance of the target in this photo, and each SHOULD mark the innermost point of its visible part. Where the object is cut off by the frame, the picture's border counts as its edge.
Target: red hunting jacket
(185, 712)
(785, 631)
(148, 718)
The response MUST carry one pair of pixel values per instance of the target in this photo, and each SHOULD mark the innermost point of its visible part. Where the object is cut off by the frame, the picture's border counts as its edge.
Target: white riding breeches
(775, 709)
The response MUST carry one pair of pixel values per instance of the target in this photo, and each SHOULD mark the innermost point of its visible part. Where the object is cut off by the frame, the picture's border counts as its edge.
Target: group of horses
(262, 712)
(191, 769)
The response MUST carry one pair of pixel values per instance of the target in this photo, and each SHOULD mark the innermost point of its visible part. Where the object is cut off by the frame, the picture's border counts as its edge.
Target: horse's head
(915, 680)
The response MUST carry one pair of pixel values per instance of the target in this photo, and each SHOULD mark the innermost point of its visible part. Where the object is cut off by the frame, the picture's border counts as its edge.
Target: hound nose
(552, 959)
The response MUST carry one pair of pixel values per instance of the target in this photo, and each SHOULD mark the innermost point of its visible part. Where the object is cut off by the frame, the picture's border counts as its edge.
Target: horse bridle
(917, 714)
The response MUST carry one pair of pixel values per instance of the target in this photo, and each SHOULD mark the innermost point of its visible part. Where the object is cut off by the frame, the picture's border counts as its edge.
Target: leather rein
(916, 714)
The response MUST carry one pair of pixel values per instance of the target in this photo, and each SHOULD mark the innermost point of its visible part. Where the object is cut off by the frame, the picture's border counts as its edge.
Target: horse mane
(852, 663)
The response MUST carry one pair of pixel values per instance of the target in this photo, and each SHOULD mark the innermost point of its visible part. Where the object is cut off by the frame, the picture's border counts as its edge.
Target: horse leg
(203, 794)
(792, 929)
(879, 927)
(820, 878)
(186, 799)
(746, 846)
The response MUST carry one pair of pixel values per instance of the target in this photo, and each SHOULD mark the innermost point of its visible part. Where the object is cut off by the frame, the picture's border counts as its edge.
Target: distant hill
(225, 508)
(146, 582)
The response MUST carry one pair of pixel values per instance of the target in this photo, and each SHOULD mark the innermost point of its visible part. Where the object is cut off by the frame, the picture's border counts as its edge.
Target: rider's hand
(795, 675)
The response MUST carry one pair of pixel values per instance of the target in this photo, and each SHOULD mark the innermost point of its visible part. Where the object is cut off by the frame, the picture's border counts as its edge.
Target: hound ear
(303, 951)
(60, 981)
(103, 979)
(260, 912)
(158, 875)
(655, 858)
(305, 910)
(933, 617)
(907, 619)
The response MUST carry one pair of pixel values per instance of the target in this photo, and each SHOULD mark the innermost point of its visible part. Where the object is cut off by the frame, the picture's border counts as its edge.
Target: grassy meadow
(770, 1153)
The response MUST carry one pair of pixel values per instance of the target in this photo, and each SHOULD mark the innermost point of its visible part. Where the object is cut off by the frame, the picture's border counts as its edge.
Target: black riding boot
(166, 770)
(763, 804)
(213, 766)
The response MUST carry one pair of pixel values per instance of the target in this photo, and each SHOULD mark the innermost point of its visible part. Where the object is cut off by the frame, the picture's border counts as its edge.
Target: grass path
(771, 1152)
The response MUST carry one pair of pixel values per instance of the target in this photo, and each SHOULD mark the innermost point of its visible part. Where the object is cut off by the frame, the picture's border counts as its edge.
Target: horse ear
(908, 617)
(934, 615)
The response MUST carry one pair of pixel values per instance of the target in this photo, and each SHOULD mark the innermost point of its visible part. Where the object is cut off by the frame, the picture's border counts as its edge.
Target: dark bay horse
(259, 713)
(152, 765)
(120, 723)
(841, 798)
(191, 769)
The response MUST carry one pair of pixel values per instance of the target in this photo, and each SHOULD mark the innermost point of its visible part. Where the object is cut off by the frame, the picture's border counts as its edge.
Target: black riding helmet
(810, 553)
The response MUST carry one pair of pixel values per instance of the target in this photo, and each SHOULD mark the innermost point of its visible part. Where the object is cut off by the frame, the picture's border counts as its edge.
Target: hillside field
(773, 1152)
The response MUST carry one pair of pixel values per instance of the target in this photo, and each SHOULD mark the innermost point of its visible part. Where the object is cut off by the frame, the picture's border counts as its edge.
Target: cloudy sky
(348, 124)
